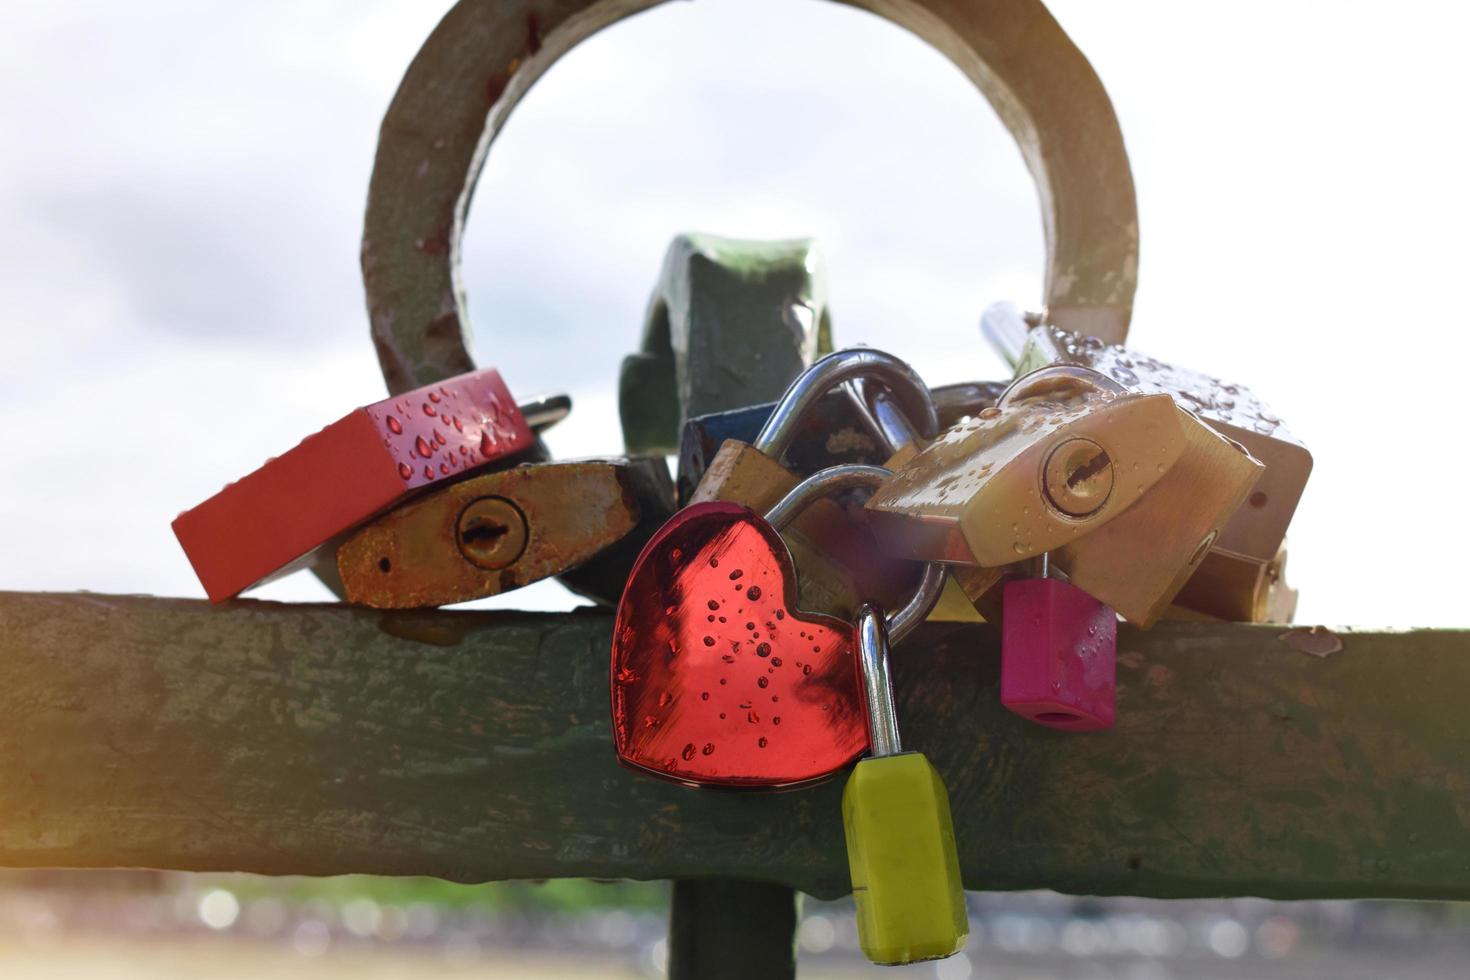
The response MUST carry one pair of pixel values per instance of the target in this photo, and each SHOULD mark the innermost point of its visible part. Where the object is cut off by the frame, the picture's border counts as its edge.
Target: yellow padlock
(900, 837)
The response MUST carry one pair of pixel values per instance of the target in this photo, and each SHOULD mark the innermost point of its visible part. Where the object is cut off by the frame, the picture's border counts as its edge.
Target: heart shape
(717, 680)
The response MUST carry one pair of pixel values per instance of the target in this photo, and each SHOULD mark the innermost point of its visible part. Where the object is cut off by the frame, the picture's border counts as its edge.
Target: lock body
(1059, 650)
(489, 534)
(901, 854)
(1025, 477)
(276, 519)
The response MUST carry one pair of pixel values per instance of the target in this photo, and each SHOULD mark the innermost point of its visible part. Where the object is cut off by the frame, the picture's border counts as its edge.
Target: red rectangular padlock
(274, 520)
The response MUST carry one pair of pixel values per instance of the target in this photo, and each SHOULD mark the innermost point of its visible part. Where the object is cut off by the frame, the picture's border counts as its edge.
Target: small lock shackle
(485, 55)
(835, 369)
(853, 476)
(872, 651)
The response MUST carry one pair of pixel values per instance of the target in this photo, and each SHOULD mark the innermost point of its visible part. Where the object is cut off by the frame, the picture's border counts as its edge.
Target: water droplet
(989, 413)
(429, 409)
(709, 748)
(422, 447)
(434, 397)
(688, 752)
(713, 604)
(729, 658)
(753, 593)
(762, 682)
(704, 695)
(458, 425)
(764, 650)
(439, 437)
(649, 721)
(709, 641)
(405, 471)
(710, 617)
(714, 563)
(761, 742)
(816, 649)
(780, 614)
(736, 574)
(775, 661)
(443, 469)
(807, 670)
(723, 682)
(750, 626)
(487, 443)
(752, 717)
(395, 426)
(429, 472)
(776, 720)
(664, 699)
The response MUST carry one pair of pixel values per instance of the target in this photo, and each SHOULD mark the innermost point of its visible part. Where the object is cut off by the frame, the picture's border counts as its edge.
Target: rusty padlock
(489, 534)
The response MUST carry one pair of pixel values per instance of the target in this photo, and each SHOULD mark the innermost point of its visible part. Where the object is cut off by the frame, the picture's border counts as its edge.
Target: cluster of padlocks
(756, 604)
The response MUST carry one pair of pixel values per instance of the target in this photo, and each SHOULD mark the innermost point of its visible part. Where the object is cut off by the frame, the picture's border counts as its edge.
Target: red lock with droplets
(274, 520)
(717, 678)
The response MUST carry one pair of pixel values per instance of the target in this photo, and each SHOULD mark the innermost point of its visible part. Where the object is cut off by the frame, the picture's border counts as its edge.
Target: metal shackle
(872, 653)
(853, 476)
(835, 369)
(1058, 374)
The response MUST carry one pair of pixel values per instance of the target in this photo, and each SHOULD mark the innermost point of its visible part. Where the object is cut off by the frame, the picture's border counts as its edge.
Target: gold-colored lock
(1064, 453)
(1243, 554)
(489, 534)
(827, 544)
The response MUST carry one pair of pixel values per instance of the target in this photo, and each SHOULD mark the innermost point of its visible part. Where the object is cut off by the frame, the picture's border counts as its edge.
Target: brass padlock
(828, 546)
(1255, 533)
(1062, 454)
(489, 534)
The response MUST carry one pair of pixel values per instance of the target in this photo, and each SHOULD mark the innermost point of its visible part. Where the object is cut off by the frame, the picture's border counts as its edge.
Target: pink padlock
(1058, 655)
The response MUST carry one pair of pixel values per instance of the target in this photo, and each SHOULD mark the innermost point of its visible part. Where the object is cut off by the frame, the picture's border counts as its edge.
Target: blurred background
(181, 193)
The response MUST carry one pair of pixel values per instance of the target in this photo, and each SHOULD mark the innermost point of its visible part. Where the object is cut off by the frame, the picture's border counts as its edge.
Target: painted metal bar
(323, 739)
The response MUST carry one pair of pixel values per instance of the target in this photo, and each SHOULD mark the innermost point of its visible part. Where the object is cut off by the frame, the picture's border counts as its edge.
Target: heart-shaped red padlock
(717, 680)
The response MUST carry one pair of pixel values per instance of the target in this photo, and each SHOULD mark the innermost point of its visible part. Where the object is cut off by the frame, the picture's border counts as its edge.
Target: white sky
(181, 191)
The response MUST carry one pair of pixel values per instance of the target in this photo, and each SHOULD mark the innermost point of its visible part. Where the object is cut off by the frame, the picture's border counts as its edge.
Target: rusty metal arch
(485, 54)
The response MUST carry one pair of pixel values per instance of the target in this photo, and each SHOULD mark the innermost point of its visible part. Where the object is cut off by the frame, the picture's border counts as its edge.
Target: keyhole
(491, 532)
(1078, 477)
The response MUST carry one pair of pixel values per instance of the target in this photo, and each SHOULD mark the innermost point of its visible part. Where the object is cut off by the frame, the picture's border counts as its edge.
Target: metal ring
(849, 476)
(485, 54)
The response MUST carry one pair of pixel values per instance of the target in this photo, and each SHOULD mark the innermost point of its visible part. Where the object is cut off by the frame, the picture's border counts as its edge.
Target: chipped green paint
(311, 740)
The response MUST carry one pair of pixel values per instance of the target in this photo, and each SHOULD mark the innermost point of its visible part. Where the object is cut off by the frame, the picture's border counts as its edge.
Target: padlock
(1061, 455)
(718, 676)
(900, 836)
(1058, 655)
(489, 534)
(278, 518)
(1255, 532)
(832, 549)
